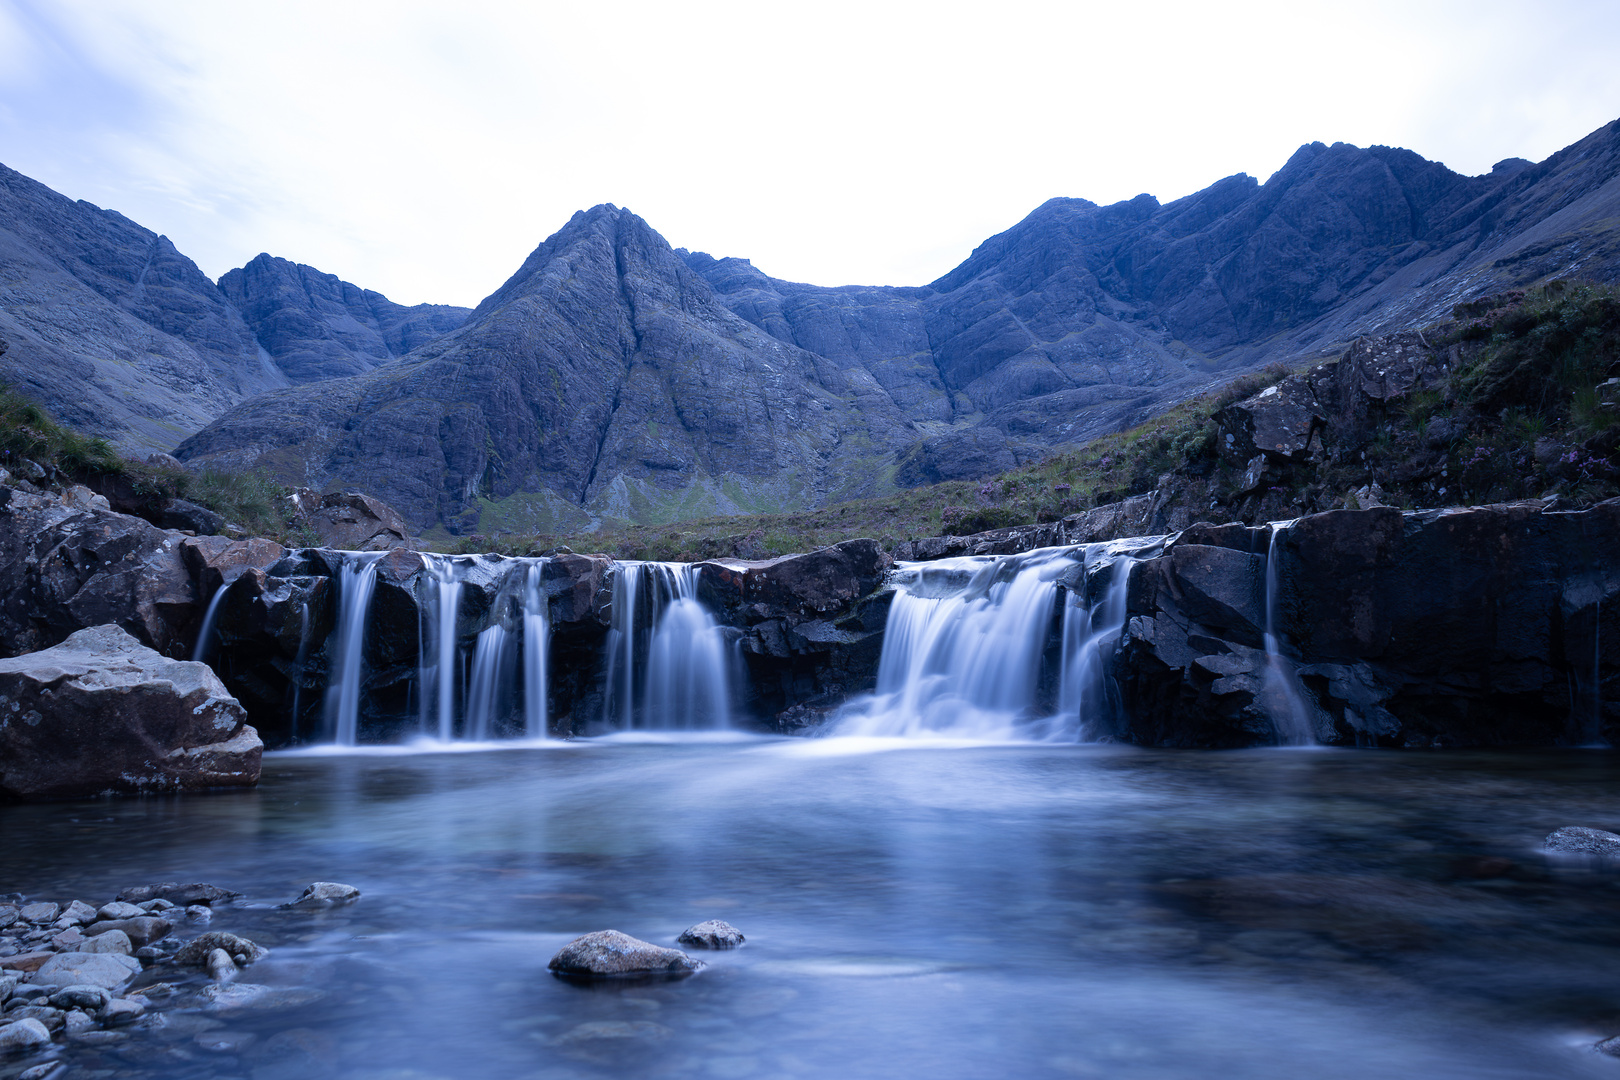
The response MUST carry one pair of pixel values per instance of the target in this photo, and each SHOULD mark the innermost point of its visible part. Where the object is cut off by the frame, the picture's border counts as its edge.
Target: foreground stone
(1579, 840)
(24, 1035)
(102, 712)
(608, 953)
(712, 934)
(107, 970)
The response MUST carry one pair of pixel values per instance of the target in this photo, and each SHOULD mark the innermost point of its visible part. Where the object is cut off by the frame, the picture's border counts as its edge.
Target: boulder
(184, 516)
(354, 521)
(216, 561)
(712, 934)
(610, 954)
(177, 894)
(195, 953)
(101, 712)
(141, 930)
(63, 570)
(108, 941)
(107, 970)
(1580, 840)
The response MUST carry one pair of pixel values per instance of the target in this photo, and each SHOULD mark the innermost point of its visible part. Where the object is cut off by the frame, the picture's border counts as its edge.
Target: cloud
(424, 149)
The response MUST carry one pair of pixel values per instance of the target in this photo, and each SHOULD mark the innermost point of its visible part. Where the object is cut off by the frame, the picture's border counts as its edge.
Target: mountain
(316, 326)
(119, 334)
(614, 376)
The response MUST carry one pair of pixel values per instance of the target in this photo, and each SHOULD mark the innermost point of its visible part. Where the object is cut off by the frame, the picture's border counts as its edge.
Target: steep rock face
(604, 376)
(110, 327)
(317, 326)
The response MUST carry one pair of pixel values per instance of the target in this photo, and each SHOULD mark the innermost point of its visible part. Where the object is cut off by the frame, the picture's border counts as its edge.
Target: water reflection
(977, 911)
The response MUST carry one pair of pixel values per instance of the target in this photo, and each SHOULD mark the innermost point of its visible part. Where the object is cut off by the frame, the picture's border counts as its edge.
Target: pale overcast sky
(423, 149)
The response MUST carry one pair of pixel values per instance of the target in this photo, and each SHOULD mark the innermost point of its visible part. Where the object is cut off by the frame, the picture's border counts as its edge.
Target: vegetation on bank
(1530, 408)
(35, 448)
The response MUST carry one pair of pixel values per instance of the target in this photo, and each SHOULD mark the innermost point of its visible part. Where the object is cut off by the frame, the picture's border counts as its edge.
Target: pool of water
(941, 911)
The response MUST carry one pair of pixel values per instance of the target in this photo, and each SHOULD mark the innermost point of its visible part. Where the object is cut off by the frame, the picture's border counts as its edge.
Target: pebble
(713, 934)
(24, 1035)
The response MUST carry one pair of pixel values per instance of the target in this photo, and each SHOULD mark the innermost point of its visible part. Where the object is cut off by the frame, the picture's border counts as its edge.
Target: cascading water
(1088, 697)
(515, 638)
(669, 663)
(205, 636)
(963, 647)
(1283, 697)
(357, 578)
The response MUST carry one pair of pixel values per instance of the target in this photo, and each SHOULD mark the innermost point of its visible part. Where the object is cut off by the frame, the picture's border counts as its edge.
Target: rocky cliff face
(603, 377)
(316, 326)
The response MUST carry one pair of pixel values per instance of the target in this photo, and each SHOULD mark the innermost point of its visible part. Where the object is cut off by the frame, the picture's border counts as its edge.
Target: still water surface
(968, 911)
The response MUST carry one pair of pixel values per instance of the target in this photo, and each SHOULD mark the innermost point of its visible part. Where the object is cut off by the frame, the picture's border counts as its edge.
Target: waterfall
(536, 649)
(669, 663)
(356, 579)
(963, 648)
(205, 636)
(1282, 697)
(516, 636)
(440, 603)
(1088, 696)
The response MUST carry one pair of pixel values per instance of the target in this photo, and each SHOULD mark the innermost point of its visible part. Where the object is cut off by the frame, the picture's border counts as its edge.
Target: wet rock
(177, 894)
(155, 907)
(102, 712)
(113, 941)
(77, 1020)
(228, 997)
(221, 968)
(107, 970)
(216, 561)
(1580, 840)
(609, 953)
(354, 521)
(120, 910)
(199, 913)
(321, 894)
(197, 950)
(604, 1040)
(85, 996)
(1610, 1047)
(122, 1011)
(39, 913)
(141, 930)
(712, 934)
(24, 1035)
(53, 1019)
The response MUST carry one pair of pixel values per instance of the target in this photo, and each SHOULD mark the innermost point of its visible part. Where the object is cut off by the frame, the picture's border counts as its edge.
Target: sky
(424, 149)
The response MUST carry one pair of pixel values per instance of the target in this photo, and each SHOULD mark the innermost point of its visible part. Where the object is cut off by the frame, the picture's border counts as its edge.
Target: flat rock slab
(609, 954)
(28, 961)
(1579, 840)
(108, 970)
(177, 894)
(712, 934)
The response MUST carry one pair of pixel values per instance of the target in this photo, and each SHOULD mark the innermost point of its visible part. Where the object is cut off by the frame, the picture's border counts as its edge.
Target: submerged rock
(102, 712)
(609, 953)
(712, 934)
(1580, 840)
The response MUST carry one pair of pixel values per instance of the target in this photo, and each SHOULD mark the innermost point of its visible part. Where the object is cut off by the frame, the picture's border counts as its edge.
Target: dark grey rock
(189, 517)
(323, 894)
(198, 949)
(177, 894)
(712, 934)
(608, 953)
(101, 712)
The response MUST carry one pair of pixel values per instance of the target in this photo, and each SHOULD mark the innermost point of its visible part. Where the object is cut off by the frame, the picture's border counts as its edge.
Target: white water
(1283, 697)
(669, 663)
(205, 636)
(506, 684)
(1088, 699)
(357, 578)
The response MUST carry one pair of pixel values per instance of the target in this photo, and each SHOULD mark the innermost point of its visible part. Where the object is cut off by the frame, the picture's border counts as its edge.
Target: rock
(607, 1034)
(153, 907)
(118, 909)
(325, 894)
(1610, 1047)
(186, 516)
(68, 939)
(80, 497)
(95, 969)
(1580, 840)
(227, 997)
(354, 521)
(28, 961)
(122, 1011)
(8, 983)
(608, 953)
(101, 712)
(141, 930)
(39, 913)
(76, 1021)
(174, 893)
(713, 934)
(148, 953)
(110, 941)
(89, 997)
(216, 561)
(196, 951)
(221, 968)
(53, 1019)
(198, 913)
(24, 1035)
(79, 913)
